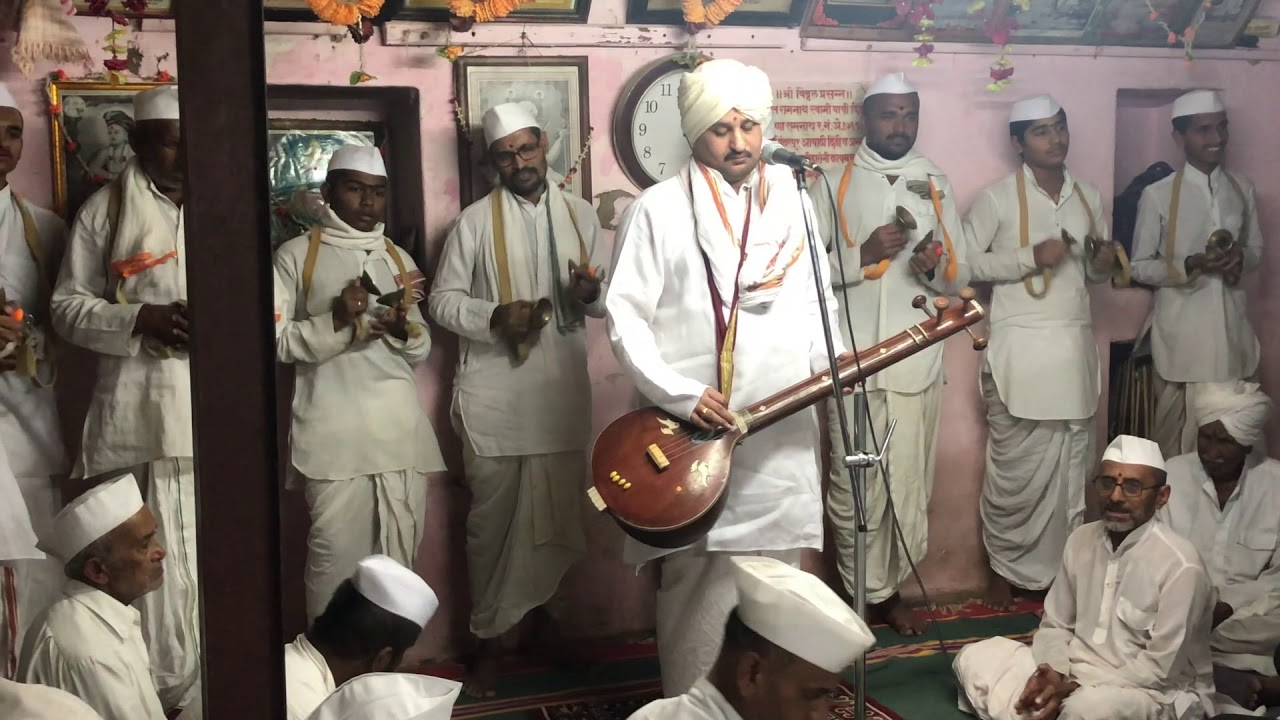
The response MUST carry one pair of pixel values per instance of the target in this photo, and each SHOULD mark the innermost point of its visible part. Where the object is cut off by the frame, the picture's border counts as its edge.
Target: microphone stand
(856, 463)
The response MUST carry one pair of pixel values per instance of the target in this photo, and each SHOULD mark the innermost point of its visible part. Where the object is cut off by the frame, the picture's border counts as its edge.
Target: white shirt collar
(715, 698)
(1194, 173)
(123, 619)
(726, 189)
(1068, 184)
(314, 655)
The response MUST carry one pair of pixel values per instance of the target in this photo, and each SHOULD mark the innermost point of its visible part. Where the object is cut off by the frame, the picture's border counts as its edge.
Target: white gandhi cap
(502, 120)
(6, 97)
(390, 696)
(1038, 107)
(1198, 102)
(92, 515)
(395, 588)
(1130, 450)
(359, 158)
(891, 84)
(158, 103)
(799, 613)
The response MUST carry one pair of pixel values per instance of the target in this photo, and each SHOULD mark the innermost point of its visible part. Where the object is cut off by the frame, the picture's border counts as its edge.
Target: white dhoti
(910, 464)
(993, 673)
(354, 518)
(27, 587)
(524, 532)
(1033, 496)
(695, 596)
(171, 615)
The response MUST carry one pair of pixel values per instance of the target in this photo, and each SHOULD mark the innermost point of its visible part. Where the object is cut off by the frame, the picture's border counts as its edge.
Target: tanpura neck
(1050, 180)
(1204, 167)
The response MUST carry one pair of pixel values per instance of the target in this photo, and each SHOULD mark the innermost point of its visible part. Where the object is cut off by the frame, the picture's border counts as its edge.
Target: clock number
(643, 128)
(662, 168)
(666, 89)
(648, 152)
(650, 107)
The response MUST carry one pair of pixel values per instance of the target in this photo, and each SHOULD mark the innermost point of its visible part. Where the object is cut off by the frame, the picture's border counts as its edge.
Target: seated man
(1226, 501)
(391, 696)
(1125, 633)
(89, 642)
(785, 646)
(371, 620)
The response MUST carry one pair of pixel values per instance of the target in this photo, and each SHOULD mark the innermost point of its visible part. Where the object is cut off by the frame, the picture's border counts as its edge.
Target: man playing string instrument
(1027, 236)
(885, 264)
(1197, 235)
(712, 307)
(517, 279)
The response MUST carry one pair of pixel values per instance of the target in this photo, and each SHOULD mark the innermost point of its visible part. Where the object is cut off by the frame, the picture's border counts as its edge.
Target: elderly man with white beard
(1125, 632)
(1226, 501)
(705, 328)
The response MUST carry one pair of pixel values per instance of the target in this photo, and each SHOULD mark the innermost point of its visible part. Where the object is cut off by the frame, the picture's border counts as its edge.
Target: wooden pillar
(221, 74)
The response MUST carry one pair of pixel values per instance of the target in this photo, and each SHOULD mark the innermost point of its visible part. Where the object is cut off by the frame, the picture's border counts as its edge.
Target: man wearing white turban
(1196, 236)
(878, 280)
(1125, 631)
(1040, 374)
(519, 274)
(679, 311)
(1226, 501)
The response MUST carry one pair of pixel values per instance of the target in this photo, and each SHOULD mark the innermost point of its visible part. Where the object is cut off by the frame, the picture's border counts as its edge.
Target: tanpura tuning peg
(979, 343)
(919, 301)
(940, 304)
(967, 294)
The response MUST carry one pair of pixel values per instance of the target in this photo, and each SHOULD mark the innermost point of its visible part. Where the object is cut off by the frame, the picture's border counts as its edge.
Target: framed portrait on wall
(298, 153)
(762, 13)
(569, 11)
(155, 9)
(90, 136)
(555, 91)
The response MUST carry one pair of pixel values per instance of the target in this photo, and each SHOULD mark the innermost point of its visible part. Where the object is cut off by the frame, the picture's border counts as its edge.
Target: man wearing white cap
(361, 444)
(391, 696)
(1226, 501)
(705, 328)
(1196, 236)
(879, 266)
(785, 646)
(89, 642)
(519, 275)
(1040, 376)
(122, 294)
(369, 623)
(31, 243)
(1125, 631)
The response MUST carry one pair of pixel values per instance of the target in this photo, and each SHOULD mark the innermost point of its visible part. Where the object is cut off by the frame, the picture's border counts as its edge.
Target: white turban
(715, 87)
(1241, 406)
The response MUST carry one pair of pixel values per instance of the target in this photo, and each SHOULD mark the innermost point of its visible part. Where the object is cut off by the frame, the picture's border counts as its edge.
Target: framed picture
(90, 137)
(292, 10)
(298, 153)
(155, 9)
(553, 88)
(763, 13)
(532, 11)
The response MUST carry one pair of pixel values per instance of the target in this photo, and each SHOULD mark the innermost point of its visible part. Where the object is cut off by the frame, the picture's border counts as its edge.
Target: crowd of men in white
(1166, 608)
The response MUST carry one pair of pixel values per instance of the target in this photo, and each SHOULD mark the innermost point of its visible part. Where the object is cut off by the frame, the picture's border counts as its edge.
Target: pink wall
(962, 129)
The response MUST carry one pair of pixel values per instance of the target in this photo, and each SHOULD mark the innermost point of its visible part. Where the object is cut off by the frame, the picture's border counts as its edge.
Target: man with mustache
(879, 266)
(1199, 329)
(89, 643)
(1226, 501)
(1125, 631)
(1040, 375)
(32, 455)
(361, 446)
(525, 256)
(713, 306)
(122, 294)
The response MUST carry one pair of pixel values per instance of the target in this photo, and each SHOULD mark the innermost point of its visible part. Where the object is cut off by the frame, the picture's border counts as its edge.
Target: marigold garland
(699, 15)
(344, 13)
(485, 10)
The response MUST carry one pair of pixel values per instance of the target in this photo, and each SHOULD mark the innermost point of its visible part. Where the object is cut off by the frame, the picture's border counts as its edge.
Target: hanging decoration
(469, 12)
(450, 53)
(102, 8)
(699, 16)
(116, 43)
(918, 14)
(577, 162)
(1000, 31)
(1187, 36)
(355, 15)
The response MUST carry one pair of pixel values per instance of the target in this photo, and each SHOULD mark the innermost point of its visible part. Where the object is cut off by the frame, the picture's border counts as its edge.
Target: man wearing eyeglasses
(518, 276)
(1125, 632)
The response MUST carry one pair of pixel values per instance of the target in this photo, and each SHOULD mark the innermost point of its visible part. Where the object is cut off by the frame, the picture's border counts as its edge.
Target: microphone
(774, 154)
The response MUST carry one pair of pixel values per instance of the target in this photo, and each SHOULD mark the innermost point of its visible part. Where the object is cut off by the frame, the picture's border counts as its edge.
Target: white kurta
(307, 678)
(91, 646)
(27, 701)
(1040, 377)
(1240, 545)
(702, 702)
(909, 391)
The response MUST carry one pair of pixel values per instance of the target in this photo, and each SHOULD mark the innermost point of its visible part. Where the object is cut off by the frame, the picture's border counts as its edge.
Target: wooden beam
(224, 111)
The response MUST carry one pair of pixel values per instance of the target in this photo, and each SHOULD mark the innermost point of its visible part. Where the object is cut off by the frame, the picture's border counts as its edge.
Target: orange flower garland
(695, 13)
(341, 12)
(485, 10)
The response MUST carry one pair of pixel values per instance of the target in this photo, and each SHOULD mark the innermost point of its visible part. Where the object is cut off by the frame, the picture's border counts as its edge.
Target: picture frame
(757, 13)
(561, 11)
(556, 89)
(298, 153)
(90, 138)
(155, 9)
(288, 11)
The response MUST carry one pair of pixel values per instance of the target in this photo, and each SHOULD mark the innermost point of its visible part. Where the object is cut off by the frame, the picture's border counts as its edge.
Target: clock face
(646, 130)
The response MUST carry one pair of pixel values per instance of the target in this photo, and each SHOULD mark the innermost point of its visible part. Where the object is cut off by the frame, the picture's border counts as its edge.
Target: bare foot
(999, 595)
(899, 617)
(482, 676)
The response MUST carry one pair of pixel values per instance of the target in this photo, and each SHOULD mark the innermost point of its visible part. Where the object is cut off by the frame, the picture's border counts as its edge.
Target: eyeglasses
(1130, 488)
(507, 158)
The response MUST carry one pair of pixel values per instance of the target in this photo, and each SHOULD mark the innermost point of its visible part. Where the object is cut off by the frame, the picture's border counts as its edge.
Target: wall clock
(646, 123)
